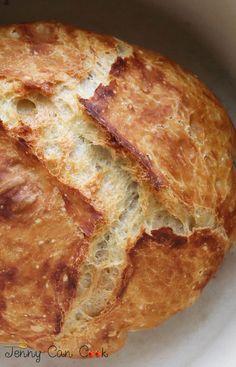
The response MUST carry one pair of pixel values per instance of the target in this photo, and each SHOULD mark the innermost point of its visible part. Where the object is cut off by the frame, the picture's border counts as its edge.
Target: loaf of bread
(117, 188)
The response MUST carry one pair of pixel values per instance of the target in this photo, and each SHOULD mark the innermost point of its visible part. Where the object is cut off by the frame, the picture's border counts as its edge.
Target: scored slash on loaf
(117, 187)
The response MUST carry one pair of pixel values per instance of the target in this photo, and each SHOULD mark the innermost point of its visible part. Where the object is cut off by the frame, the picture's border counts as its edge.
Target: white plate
(205, 334)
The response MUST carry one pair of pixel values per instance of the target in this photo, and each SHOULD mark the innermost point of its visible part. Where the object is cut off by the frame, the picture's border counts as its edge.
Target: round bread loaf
(117, 188)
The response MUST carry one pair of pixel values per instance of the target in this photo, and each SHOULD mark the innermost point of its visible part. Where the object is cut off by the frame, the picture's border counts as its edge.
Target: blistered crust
(42, 245)
(152, 293)
(117, 187)
(172, 124)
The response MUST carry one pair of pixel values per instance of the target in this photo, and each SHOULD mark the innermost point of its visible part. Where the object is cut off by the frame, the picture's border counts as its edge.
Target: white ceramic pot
(201, 35)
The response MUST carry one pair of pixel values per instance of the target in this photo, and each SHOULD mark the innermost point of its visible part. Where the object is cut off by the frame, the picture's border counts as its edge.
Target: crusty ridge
(153, 215)
(39, 267)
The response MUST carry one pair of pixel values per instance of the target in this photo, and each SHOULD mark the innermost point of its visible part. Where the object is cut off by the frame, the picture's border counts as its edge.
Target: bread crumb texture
(117, 187)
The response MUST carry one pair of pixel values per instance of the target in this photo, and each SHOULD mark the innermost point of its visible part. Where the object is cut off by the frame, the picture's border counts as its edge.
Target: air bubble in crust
(25, 107)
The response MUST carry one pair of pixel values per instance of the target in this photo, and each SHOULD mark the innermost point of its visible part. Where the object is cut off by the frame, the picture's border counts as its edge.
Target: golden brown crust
(41, 246)
(179, 133)
(117, 187)
(152, 293)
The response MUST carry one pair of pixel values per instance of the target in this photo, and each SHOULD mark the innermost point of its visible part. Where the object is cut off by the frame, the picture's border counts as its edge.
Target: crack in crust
(117, 187)
(167, 133)
(41, 247)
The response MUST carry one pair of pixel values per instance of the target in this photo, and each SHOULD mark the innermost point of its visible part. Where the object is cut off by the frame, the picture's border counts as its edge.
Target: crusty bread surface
(117, 188)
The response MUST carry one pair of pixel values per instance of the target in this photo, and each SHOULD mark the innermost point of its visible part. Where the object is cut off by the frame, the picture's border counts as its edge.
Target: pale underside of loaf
(140, 157)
